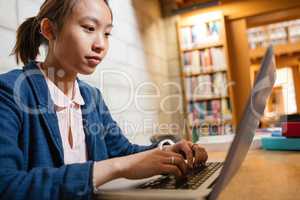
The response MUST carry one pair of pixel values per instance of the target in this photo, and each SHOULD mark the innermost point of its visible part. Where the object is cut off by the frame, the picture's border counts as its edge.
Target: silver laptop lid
(246, 128)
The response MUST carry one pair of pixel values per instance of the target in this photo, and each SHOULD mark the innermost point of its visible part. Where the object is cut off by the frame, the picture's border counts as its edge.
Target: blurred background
(185, 67)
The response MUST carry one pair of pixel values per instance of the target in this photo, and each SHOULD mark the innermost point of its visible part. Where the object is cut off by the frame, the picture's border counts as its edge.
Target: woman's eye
(89, 28)
(107, 34)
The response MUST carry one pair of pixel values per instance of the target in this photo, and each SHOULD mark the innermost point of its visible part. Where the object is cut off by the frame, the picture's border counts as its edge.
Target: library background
(221, 46)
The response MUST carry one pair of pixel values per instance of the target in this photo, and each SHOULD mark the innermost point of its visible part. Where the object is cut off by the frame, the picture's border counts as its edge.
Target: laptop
(208, 181)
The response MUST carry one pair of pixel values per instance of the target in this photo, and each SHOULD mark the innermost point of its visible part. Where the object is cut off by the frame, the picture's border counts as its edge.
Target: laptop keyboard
(192, 180)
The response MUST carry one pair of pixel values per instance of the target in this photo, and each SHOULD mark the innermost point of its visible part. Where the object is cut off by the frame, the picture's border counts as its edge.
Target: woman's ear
(47, 29)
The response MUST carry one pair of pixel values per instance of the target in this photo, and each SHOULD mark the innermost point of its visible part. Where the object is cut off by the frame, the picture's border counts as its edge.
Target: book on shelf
(200, 34)
(188, 87)
(220, 84)
(211, 112)
(206, 86)
(294, 31)
(206, 32)
(226, 109)
(216, 109)
(218, 59)
(203, 61)
(257, 37)
(196, 112)
(191, 61)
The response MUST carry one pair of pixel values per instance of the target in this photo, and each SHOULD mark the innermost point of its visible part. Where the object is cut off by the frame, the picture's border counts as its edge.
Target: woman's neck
(62, 78)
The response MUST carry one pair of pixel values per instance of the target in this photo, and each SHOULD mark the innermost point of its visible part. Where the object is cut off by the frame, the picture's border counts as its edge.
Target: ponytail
(28, 41)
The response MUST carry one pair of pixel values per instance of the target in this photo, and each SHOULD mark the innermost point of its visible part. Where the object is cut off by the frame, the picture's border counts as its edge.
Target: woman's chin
(87, 70)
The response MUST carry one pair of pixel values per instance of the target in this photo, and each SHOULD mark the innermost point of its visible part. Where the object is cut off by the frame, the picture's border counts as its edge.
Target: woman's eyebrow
(95, 20)
(90, 18)
(109, 26)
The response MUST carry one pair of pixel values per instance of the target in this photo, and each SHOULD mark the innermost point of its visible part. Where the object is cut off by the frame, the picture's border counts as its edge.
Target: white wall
(143, 50)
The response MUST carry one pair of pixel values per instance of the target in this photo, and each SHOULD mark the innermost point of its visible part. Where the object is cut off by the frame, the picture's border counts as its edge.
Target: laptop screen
(246, 128)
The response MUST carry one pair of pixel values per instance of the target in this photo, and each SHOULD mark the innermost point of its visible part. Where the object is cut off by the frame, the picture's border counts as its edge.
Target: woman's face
(82, 42)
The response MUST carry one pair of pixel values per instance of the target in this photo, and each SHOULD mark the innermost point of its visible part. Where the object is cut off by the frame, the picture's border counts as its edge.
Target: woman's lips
(93, 61)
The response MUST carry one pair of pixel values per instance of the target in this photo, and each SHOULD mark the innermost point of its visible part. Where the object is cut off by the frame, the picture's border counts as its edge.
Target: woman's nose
(99, 44)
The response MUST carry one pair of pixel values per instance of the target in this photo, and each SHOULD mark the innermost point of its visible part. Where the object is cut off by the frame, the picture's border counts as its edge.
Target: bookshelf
(285, 37)
(277, 33)
(205, 75)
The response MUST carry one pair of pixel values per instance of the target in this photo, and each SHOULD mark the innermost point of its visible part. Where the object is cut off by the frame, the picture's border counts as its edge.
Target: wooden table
(265, 175)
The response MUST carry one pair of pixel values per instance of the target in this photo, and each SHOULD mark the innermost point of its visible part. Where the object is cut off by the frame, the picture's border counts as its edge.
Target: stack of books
(287, 138)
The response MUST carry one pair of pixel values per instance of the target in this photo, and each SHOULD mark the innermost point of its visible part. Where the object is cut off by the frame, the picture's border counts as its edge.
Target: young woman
(58, 139)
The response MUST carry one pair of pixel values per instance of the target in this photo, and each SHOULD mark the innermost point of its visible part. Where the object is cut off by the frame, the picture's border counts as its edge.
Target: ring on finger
(172, 160)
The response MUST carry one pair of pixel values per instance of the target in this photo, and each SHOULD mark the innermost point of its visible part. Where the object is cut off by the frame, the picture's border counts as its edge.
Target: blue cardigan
(31, 153)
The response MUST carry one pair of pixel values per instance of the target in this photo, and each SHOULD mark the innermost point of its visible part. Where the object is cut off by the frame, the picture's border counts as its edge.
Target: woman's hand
(150, 163)
(193, 153)
(170, 160)
(139, 165)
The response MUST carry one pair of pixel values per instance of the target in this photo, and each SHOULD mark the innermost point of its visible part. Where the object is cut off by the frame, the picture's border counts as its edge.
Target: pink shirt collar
(59, 98)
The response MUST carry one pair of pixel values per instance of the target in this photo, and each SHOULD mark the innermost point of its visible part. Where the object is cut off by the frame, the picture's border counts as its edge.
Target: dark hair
(29, 38)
